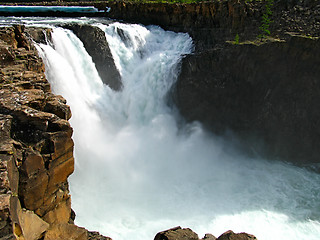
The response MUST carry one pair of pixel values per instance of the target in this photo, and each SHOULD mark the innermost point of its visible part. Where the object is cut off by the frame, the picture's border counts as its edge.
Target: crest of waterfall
(138, 173)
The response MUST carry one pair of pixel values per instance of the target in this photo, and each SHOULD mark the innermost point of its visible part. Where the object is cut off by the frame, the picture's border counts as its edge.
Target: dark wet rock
(177, 233)
(267, 94)
(230, 235)
(95, 42)
(39, 35)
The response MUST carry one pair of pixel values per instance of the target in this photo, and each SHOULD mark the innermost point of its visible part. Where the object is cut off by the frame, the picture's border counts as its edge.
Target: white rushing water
(138, 173)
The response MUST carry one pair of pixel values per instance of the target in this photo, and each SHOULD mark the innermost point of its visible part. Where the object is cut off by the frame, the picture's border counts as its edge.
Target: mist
(139, 172)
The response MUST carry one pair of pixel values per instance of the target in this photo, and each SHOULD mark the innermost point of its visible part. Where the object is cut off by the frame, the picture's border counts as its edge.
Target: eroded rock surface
(267, 94)
(36, 149)
(230, 235)
(213, 22)
(179, 233)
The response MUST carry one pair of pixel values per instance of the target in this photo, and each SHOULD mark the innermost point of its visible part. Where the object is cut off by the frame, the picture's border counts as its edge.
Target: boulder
(230, 235)
(65, 231)
(177, 233)
(208, 236)
(30, 226)
(97, 236)
(39, 35)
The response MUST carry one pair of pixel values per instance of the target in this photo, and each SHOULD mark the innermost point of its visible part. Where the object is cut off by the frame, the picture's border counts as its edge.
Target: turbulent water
(138, 172)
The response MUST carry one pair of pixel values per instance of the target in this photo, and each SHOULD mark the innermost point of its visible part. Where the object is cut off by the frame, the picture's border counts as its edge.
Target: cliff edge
(36, 151)
(254, 71)
(267, 95)
(36, 148)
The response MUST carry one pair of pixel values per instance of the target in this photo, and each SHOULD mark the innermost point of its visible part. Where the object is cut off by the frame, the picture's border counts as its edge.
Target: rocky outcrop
(36, 149)
(267, 94)
(39, 35)
(179, 233)
(96, 44)
(206, 22)
(230, 235)
(213, 22)
(264, 91)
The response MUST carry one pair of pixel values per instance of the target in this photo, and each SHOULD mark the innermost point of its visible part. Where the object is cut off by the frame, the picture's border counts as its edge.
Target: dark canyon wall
(269, 95)
(214, 22)
(265, 91)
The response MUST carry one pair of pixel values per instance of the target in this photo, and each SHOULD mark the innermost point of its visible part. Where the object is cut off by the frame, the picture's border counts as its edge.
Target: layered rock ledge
(267, 94)
(263, 90)
(179, 233)
(211, 23)
(36, 148)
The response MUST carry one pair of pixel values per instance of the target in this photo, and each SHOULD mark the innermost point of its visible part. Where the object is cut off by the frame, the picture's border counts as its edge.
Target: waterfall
(138, 172)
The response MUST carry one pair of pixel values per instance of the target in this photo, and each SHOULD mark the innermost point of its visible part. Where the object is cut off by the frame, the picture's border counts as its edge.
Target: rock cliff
(267, 94)
(36, 149)
(208, 23)
(264, 91)
(213, 22)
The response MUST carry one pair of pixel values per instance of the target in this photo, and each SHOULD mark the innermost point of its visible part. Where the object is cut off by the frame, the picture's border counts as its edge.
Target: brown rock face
(66, 231)
(30, 226)
(36, 149)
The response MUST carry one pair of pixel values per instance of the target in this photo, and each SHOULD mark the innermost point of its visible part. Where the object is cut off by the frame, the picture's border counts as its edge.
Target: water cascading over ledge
(36, 147)
(148, 172)
(157, 174)
(96, 45)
